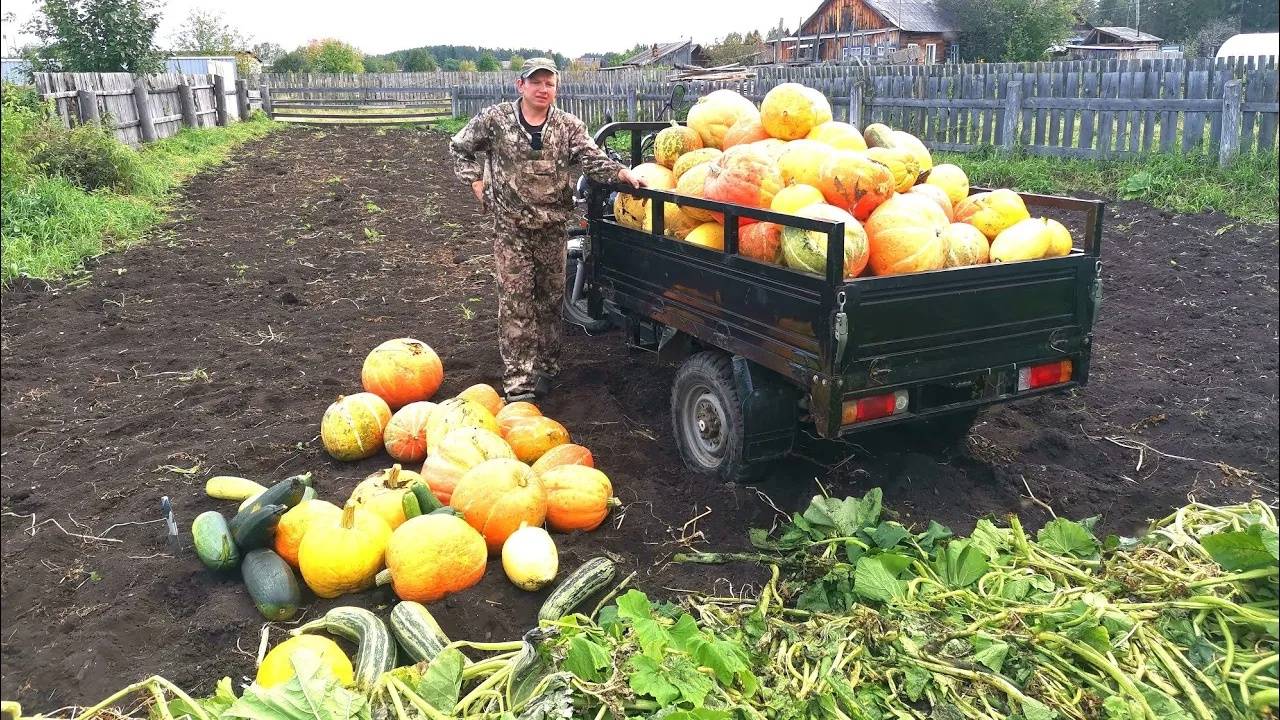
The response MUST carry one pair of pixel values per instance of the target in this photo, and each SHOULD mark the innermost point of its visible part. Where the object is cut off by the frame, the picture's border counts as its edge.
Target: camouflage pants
(529, 267)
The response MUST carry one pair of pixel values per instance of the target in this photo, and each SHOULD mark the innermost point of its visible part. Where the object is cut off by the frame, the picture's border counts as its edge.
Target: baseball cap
(533, 65)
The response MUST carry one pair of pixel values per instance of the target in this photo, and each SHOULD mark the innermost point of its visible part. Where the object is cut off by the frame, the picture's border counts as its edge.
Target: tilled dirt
(214, 347)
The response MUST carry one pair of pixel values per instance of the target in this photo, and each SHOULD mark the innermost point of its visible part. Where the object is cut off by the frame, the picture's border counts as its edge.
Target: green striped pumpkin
(375, 649)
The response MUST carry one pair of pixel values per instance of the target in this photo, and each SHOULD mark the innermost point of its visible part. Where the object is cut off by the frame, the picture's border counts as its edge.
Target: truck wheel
(575, 313)
(706, 417)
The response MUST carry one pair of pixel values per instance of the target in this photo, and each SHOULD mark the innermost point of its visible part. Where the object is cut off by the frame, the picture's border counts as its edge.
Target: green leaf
(634, 604)
(1033, 709)
(933, 535)
(1066, 537)
(831, 593)
(645, 677)
(888, 534)
(960, 564)
(1239, 551)
(726, 659)
(1015, 589)
(699, 714)
(442, 681)
(991, 540)
(223, 697)
(1095, 636)
(312, 694)
(993, 655)
(844, 518)
(873, 581)
(652, 637)
(917, 680)
(586, 659)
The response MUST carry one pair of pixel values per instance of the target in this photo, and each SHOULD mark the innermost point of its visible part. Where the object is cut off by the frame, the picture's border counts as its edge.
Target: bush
(88, 156)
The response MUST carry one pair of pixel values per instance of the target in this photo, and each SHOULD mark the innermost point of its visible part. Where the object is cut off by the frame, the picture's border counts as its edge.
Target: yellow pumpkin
(343, 554)
(801, 162)
(433, 556)
(456, 413)
(293, 526)
(495, 496)
(794, 198)
(514, 413)
(277, 666)
(839, 135)
(694, 158)
(906, 141)
(966, 245)
(676, 222)
(953, 181)
(708, 235)
(383, 493)
(673, 142)
(631, 210)
(352, 426)
(716, 112)
(460, 451)
(992, 212)
(1059, 239)
(578, 497)
(790, 111)
(902, 166)
(485, 395)
(693, 184)
(1025, 240)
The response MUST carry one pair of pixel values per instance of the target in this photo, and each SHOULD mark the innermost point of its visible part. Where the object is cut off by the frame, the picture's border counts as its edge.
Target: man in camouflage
(525, 181)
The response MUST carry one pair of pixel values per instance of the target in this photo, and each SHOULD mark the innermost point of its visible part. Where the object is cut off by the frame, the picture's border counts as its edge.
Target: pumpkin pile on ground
(790, 155)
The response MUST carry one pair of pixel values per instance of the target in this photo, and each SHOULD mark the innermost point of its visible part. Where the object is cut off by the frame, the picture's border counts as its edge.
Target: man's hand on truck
(625, 176)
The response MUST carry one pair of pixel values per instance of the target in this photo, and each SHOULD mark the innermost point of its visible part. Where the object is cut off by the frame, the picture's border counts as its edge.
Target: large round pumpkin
(1059, 239)
(693, 183)
(936, 194)
(406, 434)
(709, 235)
(746, 130)
(343, 554)
(791, 111)
(692, 158)
(903, 140)
(839, 135)
(383, 493)
(952, 180)
(807, 249)
(773, 147)
(716, 112)
(567, 454)
(532, 437)
(514, 413)
(485, 395)
(878, 135)
(456, 413)
(1024, 240)
(853, 182)
(402, 371)
(966, 245)
(744, 176)
(578, 497)
(496, 496)
(761, 241)
(902, 165)
(293, 526)
(801, 162)
(905, 233)
(793, 198)
(676, 222)
(992, 212)
(674, 141)
(630, 210)
(432, 556)
(352, 426)
(460, 451)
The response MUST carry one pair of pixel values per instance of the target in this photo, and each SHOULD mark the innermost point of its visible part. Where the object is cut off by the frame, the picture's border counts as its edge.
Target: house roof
(910, 15)
(656, 52)
(1127, 34)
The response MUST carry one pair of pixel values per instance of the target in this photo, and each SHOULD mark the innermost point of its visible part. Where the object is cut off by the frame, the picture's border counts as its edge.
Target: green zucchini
(375, 649)
(272, 584)
(287, 492)
(409, 503)
(417, 631)
(581, 584)
(427, 500)
(214, 544)
(255, 527)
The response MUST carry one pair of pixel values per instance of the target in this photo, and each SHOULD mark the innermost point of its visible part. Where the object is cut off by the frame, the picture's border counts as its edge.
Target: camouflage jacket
(527, 187)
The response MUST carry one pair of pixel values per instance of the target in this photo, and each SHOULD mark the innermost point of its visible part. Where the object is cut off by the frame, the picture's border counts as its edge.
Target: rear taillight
(873, 407)
(1038, 376)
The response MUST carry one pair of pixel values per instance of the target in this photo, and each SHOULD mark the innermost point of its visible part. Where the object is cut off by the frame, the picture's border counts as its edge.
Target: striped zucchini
(581, 584)
(417, 631)
(375, 650)
(214, 544)
(271, 584)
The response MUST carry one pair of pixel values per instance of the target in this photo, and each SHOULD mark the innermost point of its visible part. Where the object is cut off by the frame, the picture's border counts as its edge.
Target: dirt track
(217, 345)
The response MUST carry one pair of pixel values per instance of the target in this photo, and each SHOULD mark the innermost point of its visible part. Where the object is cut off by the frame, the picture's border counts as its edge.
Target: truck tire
(576, 313)
(706, 417)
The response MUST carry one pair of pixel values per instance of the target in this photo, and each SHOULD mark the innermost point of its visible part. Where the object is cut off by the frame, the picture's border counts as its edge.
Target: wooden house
(682, 52)
(870, 31)
(1105, 43)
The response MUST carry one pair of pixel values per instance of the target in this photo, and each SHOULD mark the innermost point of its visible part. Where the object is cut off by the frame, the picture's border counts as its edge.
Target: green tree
(267, 52)
(292, 61)
(207, 33)
(735, 48)
(419, 60)
(98, 35)
(467, 66)
(488, 63)
(375, 64)
(334, 56)
(451, 64)
(515, 61)
(1010, 30)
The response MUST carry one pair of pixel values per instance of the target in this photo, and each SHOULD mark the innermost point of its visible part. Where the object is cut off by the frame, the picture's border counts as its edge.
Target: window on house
(931, 53)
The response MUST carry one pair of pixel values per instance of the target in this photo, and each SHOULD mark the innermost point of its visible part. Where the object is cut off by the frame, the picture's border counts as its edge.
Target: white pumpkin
(529, 558)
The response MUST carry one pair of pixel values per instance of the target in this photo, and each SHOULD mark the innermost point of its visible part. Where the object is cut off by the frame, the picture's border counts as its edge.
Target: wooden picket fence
(1090, 109)
(144, 108)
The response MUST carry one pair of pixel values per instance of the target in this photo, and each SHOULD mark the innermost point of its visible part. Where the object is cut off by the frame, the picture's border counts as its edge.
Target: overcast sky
(571, 27)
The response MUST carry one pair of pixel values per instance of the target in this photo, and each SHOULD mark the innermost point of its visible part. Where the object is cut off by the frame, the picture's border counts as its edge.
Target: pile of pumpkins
(901, 213)
(492, 474)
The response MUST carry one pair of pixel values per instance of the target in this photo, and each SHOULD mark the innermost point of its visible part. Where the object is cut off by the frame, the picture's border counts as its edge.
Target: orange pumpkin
(457, 413)
(496, 496)
(532, 437)
(352, 426)
(432, 556)
(992, 212)
(761, 241)
(567, 454)
(460, 451)
(905, 236)
(578, 497)
(936, 194)
(294, 523)
(406, 434)
(514, 413)
(851, 181)
(485, 395)
(744, 175)
(402, 371)
(747, 130)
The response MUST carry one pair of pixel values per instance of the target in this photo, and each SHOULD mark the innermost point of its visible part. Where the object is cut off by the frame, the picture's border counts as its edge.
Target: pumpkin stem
(348, 515)
(393, 477)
